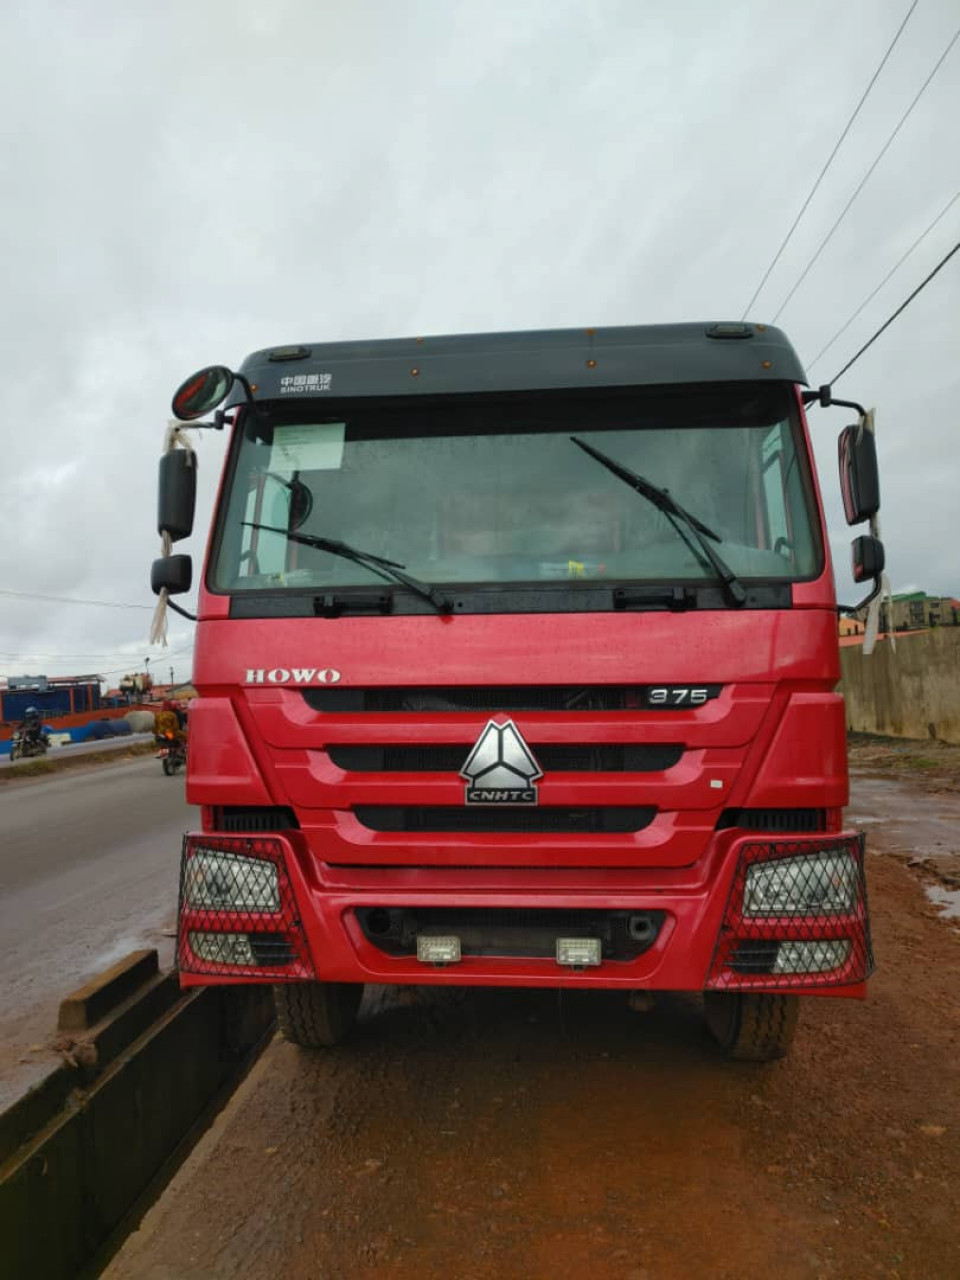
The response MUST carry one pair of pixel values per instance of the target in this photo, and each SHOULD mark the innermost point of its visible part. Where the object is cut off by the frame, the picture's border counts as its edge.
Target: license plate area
(510, 933)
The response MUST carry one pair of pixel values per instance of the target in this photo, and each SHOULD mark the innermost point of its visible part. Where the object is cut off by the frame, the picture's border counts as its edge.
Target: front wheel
(167, 765)
(16, 751)
(317, 1015)
(751, 1026)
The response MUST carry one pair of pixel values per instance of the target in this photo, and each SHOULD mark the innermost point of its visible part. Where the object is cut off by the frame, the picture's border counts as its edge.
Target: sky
(185, 183)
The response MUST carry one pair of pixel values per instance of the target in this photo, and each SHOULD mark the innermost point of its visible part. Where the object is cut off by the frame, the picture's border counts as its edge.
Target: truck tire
(751, 1026)
(317, 1015)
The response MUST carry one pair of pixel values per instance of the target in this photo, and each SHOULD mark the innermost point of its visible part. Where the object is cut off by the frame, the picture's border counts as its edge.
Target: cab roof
(535, 360)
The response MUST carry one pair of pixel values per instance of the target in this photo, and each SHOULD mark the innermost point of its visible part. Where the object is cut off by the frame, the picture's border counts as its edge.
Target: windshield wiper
(664, 500)
(388, 569)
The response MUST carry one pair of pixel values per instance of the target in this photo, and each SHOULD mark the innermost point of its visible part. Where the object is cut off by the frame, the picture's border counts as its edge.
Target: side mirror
(177, 494)
(859, 474)
(202, 392)
(868, 558)
(175, 573)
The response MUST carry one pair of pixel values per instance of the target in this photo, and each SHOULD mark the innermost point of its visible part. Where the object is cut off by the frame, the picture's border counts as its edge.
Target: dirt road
(479, 1134)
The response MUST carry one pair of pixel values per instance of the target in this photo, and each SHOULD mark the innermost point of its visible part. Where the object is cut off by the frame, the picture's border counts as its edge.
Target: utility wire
(903, 306)
(115, 671)
(813, 190)
(919, 240)
(136, 656)
(104, 604)
(76, 657)
(866, 177)
(123, 670)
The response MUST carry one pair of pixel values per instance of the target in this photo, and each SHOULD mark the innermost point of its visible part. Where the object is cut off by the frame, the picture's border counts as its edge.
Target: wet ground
(88, 872)
(888, 778)
(478, 1134)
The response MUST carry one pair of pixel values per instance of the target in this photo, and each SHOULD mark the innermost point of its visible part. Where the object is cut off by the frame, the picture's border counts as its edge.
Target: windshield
(493, 490)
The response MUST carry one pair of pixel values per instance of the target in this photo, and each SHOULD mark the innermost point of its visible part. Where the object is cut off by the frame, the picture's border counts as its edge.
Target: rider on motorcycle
(31, 728)
(29, 738)
(166, 723)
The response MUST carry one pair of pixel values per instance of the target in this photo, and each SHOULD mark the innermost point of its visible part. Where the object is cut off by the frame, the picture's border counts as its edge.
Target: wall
(912, 693)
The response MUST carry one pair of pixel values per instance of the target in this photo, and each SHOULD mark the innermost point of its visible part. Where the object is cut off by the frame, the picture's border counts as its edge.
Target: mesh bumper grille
(237, 915)
(796, 917)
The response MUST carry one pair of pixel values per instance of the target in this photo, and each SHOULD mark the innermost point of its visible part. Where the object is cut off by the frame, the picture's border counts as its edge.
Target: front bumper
(701, 939)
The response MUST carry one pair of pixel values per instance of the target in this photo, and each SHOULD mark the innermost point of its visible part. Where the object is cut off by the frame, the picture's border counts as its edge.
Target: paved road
(88, 872)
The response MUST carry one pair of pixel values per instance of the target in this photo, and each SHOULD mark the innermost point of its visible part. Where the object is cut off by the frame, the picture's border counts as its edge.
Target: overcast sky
(185, 185)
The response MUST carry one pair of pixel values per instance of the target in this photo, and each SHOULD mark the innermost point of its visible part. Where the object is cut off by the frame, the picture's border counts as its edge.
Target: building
(916, 611)
(54, 696)
(849, 626)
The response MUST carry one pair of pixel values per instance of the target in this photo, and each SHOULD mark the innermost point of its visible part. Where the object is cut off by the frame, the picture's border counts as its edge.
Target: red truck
(517, 659)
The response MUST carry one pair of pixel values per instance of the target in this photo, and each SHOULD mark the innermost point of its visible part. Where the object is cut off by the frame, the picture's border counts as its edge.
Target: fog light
(579, 953)
(438, 950)
(811, 957)
(222, 948)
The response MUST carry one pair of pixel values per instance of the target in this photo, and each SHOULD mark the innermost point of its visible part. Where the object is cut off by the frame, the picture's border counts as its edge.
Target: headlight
(216, 881)
(812, 885)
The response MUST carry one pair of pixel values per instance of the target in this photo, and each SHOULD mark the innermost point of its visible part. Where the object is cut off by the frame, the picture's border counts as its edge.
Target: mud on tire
(751, 1026)
(317, 1015)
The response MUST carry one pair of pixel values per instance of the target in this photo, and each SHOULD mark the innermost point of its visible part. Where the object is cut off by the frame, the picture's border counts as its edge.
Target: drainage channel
(145, 1067)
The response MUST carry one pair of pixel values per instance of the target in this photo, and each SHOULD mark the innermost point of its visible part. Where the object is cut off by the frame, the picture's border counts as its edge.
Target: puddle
(902, 820)
(948, 900)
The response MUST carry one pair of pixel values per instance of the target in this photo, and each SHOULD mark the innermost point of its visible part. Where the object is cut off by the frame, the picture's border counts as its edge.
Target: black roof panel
(552, 359)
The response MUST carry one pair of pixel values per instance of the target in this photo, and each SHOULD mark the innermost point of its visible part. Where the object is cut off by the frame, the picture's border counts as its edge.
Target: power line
(166, 657)
(813, 190)
(866, 177)
(903, 306)
(893, 270)
(137, 656)
(75, 657)
(115, 671)
(104, 604)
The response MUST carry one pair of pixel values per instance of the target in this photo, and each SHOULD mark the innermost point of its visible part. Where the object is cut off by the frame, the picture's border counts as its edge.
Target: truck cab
(517, 659)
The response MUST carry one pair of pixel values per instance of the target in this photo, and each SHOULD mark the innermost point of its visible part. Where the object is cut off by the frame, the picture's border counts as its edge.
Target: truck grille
(785, 820)
(504, 819)
(259, 818)
(558, 758)
(490, 698)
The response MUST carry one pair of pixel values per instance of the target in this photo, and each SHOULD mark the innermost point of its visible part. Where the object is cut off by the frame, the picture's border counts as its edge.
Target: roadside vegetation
(60, 763)
(933, 765)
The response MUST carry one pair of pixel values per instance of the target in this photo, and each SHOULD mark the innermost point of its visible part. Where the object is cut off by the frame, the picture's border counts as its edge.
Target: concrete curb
(80, 1148)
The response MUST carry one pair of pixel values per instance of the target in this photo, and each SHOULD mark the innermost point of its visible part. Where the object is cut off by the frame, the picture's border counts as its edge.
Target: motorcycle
(172, 753)
(24, 744)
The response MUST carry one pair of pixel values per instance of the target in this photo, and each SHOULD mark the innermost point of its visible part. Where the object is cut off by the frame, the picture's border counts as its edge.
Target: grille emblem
(500, 769)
